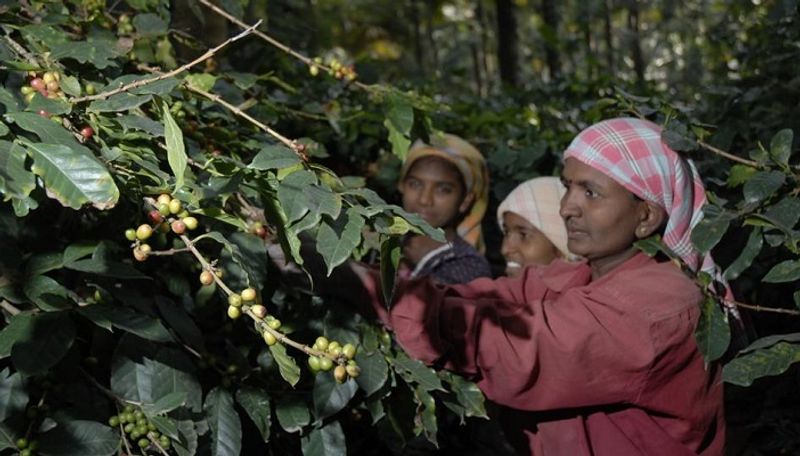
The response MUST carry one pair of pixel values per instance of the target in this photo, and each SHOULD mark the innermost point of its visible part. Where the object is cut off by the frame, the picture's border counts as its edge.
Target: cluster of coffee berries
(337, 69)
(27, 447)
(134, 423)
(342, 355)
(244, 301)
(124, 25)
(169, 216)
(47, 85)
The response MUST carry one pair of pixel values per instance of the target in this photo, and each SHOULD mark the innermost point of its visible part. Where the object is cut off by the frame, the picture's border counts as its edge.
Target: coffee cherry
(113, 421)
(353, 370)
(38, 84)
(130, 234)
(29, 97)
(48, 77)
(190, 222)
(334, 346)
(163, 209)
(44, 113)
(145, 248)
(321, 343)
(206, 278)
(90, 89)
(130, 427)
(235, 300)
(143, 443)
(139, 255)
(269, 338)
(164, 442)
(144, 231)
(26, 452)
(163, 227)
(87, 132)
(349, 351)
(248, 294)
(26, 90)
(52, 86)
(313, 363)
(164, 199)
(340, 374)
(325, 364)
(155, 217)
(22, 443)
(261, 232)
(178, 227)
(260, 312)
(175, 206)
(274, 323)
(234, 312)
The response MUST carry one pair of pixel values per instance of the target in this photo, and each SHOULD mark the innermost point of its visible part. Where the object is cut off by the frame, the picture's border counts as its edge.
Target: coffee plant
(142, 193)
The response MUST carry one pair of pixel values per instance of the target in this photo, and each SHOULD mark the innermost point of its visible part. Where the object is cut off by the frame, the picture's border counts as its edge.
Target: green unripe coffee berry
(113, 421)
(190, 222)
(22, 443)
(321, 343)
(248, 294)
(130, 234)
(143, 443)
(274, 323)
(130, 427)
(260, 312)
(269, 338)
(144, 231)
(349, 351)
(313, 363)
(235, 300)
(234, 312)
(325, 364)
(353, 370)
(340, 374)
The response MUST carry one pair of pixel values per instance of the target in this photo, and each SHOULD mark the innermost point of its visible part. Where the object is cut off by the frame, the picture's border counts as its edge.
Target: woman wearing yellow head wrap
(446, 182)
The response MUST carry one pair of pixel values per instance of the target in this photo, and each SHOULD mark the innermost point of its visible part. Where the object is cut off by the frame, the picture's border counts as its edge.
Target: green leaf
(13, 395)
(415, 371)
(8, 100)
(374, 372)
(426, 416)
(274, 157)
(797, 299)
(8, 438)
(226, 428)
(3, 129)
(330, 396)
(72, 177)
(713, 333)
(775, 360)
(678, 137)
(187, 446)
(785, 213)
(336, 241)
(47, 130)
(149, 25)
(120, 102)
(289, 369)
(786, 271)
(49, 338)
(176, 152)
(766, 342)
(292, 194)
(202, 81)
(292, 414)
(160, 87)
(469, 396)
(48, 294)
(129, 320)
(762, 185)
(70, 85)
(745, 259)
(107, 268)
(326, 441)
(144, 124)
(165, 426)
(19, 327)
(256, 404)
(99, 53)
(79, 438)
(780, 147)
(400, 142)
(709, 231)
(390, 260)
(54, 106)
(165, 404)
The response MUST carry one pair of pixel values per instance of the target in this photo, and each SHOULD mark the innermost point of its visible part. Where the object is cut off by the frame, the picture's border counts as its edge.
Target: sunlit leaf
(786, 271)
(176, 152)
(713, 333)
(289, 369)
(775, 360)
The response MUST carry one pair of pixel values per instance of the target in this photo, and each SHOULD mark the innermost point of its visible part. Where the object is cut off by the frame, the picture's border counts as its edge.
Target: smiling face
(603, 218)
(434, 189)
(524, 245)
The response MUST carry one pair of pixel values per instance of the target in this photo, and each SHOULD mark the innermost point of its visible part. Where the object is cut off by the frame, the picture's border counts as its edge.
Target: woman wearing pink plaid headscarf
(597, 357)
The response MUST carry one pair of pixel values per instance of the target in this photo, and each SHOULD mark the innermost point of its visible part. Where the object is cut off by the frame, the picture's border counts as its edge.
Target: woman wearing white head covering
(534, 233)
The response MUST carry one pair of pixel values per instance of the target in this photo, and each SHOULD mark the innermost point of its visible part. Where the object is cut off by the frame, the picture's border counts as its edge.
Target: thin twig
(294, 145)
(729, 156)
(208, 54)
(8, 307)
(167, 252)
(277, 43)
(154, 441)
(20, 49)
(758, 308)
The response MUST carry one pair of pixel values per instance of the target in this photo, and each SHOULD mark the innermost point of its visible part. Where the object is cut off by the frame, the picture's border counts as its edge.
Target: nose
(507, 246)
(426, 196)
(569, 207)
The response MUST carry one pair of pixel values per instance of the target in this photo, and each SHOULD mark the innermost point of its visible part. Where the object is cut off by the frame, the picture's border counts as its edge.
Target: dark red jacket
(605, 367)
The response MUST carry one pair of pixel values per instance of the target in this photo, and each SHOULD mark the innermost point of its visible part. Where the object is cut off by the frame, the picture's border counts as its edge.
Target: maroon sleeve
(529, 347)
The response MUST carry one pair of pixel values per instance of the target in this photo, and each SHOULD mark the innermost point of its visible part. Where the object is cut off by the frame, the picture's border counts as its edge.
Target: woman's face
(433, 188)
(524, 245)
(601, 215)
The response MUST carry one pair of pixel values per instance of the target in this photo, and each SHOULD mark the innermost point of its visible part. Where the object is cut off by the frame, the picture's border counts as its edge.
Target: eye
(591, 194)
(445, 189)
(413, 183)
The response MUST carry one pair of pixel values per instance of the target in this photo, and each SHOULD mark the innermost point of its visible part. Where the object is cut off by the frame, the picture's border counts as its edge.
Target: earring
(641, 231)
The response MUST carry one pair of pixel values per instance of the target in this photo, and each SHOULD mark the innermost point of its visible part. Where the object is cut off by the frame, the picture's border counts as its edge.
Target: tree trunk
(608, 36)
(507, 52)
(550, 19)
(431, 41)
(480, 16)
(418, 56)
(636, 48)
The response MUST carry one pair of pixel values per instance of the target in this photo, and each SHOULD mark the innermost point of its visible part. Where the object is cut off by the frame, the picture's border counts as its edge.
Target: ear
(466, 203)
(651, 219)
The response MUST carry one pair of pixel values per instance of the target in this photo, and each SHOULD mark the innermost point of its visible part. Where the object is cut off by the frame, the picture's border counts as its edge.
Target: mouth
(513, 265)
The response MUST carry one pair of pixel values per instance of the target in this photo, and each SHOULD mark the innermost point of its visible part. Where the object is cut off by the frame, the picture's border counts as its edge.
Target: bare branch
(729, 156)
(8, 307)
(208, 54)
(276, 43)
(758, 308)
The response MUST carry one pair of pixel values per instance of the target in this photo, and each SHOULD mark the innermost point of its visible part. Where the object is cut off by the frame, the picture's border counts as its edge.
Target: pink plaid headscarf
(631, 152)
